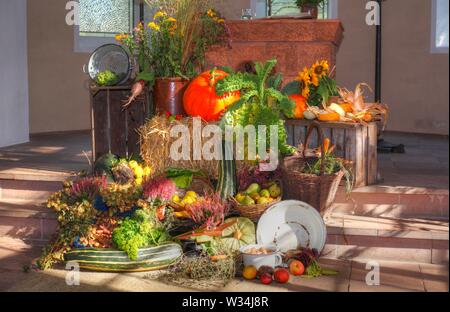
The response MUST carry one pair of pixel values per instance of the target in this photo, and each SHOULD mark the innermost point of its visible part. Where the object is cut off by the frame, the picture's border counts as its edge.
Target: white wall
(14, 122)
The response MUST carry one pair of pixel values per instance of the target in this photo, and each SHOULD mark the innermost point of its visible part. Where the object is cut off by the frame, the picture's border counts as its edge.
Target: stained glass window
(105, 17)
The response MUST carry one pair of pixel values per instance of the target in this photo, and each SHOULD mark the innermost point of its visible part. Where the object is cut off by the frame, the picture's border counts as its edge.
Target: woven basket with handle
(317, 190)
(254, 212)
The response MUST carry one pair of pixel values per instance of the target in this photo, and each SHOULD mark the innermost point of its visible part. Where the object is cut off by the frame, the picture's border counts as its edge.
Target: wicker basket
(317, 190)
(254, 212)
(199, 185)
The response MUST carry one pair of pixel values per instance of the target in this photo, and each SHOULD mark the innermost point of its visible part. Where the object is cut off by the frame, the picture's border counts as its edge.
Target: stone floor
(57, 156)
(54, 156)
(425, 164)
(394, 276)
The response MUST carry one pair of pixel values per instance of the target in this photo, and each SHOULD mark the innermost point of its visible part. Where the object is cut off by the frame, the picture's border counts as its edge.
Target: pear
(275, 191)
(265, 193)
(248, 201)
(240, 198)
(263, 200)
(253, 188)
(255, 196)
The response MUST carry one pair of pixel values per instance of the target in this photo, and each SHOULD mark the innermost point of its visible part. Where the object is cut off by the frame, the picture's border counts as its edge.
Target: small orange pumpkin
(300, 105)
(329, 117)
(200, 98)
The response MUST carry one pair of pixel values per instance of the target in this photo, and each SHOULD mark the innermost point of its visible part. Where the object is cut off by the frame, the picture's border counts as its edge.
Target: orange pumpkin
(200, 98)
(329, 117)
(300, 105)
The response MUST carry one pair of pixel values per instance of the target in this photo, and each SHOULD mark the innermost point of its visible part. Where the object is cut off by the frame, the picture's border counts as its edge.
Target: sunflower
(318, 71)
(171, 20)
(118, 37)
(304, 78)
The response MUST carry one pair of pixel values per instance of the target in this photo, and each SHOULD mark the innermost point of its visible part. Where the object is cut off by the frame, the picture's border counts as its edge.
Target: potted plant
(181, 32)
(310, 6)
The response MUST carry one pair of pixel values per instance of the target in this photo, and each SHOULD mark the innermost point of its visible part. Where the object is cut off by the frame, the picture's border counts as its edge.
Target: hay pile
(156, 142)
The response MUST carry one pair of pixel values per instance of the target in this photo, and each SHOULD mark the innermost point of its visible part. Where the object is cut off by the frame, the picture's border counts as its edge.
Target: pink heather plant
(88, 188)
(208, 211)
(159, 188)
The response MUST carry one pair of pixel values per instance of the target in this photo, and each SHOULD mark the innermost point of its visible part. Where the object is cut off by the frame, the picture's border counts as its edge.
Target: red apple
(296, 268)
(266, 278)
(281, 276)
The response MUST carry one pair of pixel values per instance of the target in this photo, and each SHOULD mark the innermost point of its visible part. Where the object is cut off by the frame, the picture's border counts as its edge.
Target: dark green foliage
(261, 102)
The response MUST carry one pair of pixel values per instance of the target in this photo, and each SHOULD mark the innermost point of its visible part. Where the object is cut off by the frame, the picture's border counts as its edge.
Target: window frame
(435, 49)
(88, 44)
(332, 8)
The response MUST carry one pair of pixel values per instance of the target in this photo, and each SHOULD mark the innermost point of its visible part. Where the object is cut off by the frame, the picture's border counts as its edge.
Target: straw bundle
(156, 142)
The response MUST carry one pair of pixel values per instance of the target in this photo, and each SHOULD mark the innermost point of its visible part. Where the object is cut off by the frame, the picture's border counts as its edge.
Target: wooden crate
(354, 142)
(114, 130)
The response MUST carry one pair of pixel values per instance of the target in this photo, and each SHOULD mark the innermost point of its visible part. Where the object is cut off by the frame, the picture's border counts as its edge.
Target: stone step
(394, 202)
(28, 220)
(389, 239)
(28, 189)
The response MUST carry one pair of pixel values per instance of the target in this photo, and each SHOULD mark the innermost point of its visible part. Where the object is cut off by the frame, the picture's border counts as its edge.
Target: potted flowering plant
(181, 32)
(137, 44)
(310, 6)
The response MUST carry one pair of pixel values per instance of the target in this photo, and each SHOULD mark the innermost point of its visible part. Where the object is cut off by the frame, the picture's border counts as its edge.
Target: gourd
(200, 98)
(240, 234)
(300, 105)
(329, 117)
(227, 184)
(105, 164)
(347, 107)
(111, 260)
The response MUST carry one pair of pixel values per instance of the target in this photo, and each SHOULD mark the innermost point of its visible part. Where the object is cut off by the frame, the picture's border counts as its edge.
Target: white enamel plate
(291, 224)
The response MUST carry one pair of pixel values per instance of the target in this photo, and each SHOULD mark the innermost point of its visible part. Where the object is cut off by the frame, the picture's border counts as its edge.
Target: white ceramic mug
(273, 259)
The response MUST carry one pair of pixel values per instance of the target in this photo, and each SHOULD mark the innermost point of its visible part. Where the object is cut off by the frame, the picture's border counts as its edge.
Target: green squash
(105, 164)
(227, 184)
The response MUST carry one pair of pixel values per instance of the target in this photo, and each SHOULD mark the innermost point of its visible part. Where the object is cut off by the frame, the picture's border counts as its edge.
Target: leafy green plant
(261, 101)
(140, 230)
(326, 89)
(332, 166)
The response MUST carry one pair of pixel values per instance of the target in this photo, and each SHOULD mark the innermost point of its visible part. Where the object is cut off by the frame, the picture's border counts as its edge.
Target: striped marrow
(226, 185)
(111, 260)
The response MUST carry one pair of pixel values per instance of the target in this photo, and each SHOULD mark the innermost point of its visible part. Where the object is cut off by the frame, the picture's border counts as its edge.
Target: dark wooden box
(354, 142)
(114, 130)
